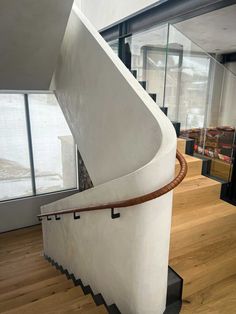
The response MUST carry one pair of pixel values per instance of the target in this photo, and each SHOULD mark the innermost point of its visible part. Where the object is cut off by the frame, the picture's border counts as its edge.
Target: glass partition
(114, 44)
(197, 91)
(148, 59)
(200, 94)
(187, 80)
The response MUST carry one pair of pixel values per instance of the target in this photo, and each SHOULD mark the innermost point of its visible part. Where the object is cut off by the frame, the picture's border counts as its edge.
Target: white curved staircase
(128, 146)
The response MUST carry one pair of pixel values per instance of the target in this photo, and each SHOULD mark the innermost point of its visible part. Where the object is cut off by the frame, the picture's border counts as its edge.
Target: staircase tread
(194, 238)
(190, 159)
(23, 279)
(101, 309)
(195, 182)
(30, 288)
(6, 274)
(49, 303)
(36, 295)
(197, 216)
(80, 305)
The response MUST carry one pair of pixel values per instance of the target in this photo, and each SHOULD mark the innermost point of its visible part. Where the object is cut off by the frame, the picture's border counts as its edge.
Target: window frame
(31, 154)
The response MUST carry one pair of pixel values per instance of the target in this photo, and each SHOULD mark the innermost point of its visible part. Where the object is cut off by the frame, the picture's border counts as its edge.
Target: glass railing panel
(148, 59)
(114, 44)
(200, 94)
(186, 81)
(221, 121)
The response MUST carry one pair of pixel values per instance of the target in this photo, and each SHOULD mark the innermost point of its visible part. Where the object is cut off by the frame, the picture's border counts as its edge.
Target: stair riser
(194, 169)
(181, 146)
(196, 198)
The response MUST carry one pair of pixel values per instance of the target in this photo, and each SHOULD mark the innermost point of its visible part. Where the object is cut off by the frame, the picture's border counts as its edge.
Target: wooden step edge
(35, 295)
(50, 303)
(32, 287)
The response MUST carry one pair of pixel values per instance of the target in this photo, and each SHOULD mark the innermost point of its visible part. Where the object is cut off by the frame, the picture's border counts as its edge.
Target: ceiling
(215, 32)
(31, 32)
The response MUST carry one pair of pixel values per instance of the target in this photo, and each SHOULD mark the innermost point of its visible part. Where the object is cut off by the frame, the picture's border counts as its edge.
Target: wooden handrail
(133, 201)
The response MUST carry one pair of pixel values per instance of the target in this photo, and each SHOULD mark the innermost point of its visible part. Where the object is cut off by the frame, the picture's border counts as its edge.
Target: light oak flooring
(203, 243)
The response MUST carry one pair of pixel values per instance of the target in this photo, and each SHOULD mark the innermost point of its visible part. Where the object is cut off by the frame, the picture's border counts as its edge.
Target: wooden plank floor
(203, 244)
(29, 284)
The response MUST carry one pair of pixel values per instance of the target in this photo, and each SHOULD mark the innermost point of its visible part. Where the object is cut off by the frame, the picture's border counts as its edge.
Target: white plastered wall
(103, 13)
(128, 146)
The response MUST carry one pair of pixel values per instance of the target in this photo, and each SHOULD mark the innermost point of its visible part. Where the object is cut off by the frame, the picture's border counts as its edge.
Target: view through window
(53, 155)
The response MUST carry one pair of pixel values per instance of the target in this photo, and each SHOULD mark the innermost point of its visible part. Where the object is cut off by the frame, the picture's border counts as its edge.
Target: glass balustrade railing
(204, 93)
(197, 91)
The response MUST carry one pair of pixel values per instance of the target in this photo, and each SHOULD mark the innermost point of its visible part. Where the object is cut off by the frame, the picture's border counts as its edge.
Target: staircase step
(50, 303)
(27, 279)
(194, 166)
(35, 256)
(14, 269)
(101, 309)
(197, 191)
(181, 145)
(188, 219)
(23, 253)
(84, 304)
(30, 288)
(203, 232)
(35, 295)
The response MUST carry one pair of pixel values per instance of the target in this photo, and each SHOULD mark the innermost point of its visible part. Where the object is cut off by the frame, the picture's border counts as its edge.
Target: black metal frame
(165, 11)
(31, 161)
(30, 144)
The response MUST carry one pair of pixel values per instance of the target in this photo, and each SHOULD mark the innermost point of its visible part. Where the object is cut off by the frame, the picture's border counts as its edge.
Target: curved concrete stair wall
(128, 146)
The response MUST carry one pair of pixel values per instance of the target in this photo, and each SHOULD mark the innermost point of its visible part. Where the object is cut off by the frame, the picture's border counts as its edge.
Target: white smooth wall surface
(128, 146)
(31, 32)
(103, 13)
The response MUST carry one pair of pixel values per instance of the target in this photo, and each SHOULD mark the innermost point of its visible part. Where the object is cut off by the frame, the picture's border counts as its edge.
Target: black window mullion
(30, 145)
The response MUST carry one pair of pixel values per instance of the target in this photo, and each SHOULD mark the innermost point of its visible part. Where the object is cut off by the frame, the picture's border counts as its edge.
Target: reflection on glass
(15, 173)
(148, 59)
(187, 81)
(114, 44)
(200, 94)
(53, 145)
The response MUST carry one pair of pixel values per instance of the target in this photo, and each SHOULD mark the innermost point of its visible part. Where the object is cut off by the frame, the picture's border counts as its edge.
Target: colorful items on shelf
(213, 142)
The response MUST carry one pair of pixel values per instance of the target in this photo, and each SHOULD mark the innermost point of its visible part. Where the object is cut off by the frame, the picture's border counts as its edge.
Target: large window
(37, 152)
(15, 173)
